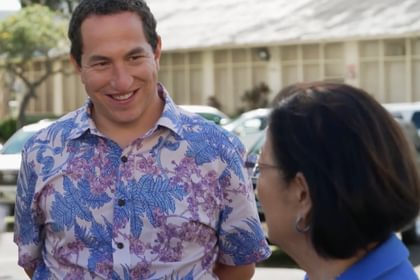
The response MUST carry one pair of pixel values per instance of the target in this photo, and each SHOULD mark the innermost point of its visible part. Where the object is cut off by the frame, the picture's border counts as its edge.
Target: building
(224, 47)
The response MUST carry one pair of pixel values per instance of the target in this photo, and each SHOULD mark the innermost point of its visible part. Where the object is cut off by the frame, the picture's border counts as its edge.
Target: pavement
(9, 270)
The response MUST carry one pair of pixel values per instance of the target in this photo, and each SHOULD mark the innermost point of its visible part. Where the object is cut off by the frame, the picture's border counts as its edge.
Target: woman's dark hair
(87, 8)
(362, 177)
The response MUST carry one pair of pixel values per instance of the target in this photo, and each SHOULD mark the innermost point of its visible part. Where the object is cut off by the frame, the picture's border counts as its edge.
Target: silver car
(10, 159)
(249, 126)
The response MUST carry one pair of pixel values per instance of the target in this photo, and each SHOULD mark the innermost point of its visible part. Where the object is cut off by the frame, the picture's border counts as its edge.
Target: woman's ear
(303, 197)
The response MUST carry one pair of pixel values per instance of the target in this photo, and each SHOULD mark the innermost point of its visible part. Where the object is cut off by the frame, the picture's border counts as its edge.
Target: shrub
(7, 128)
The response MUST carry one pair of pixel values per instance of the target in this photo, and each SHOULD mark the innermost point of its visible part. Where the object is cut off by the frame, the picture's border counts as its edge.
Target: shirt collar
(386, 256)
(171, 115)
(383, 258)
(83, 121)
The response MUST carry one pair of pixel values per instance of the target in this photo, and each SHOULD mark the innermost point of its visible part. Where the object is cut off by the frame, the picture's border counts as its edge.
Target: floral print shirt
(168, 206)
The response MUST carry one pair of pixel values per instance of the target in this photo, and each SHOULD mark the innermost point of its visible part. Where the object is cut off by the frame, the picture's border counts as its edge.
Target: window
(312, 62)
(182, 75)
(389, 69)
(236, 71)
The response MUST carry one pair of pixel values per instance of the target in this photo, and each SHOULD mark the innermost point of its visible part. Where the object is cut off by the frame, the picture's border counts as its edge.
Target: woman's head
(354, 160)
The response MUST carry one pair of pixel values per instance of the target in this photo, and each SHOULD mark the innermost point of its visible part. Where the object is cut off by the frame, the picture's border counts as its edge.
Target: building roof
(196, 24)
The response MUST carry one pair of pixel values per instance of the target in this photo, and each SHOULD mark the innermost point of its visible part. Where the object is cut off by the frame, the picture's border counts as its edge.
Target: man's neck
(125, 133)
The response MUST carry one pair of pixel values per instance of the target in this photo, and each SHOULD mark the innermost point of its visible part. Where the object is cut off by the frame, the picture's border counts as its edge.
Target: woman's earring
(299, 228)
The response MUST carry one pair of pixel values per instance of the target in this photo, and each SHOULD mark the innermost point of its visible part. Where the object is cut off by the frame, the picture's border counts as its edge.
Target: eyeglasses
(253, 166)
(267, 165)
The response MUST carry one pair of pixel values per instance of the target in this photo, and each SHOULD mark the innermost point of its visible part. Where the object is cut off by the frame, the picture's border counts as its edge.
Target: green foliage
(66, 6)
(7, 128)
(36, 118)
(31, 32)
(214, 102)
(257, 97)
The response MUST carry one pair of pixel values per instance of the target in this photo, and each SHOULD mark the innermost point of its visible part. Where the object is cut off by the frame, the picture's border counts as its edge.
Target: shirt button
(124, 159)
(121, 202)
(120, 245)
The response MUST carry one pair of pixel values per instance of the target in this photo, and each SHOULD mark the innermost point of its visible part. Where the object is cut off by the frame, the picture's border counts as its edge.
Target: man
(130, 186)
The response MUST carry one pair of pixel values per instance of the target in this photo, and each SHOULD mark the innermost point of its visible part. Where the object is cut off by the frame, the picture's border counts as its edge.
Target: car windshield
(233, 124)
(15, 144)
(416, 119)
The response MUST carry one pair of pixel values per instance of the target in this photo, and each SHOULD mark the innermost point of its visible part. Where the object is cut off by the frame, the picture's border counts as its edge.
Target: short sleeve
(27, 230)
(241, 237)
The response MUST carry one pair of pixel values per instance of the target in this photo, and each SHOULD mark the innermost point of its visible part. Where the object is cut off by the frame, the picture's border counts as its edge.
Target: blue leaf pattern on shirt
(75, 203)
(206, 146)
(26, 195)
(155, 194)
(239, 243)
(97, 240)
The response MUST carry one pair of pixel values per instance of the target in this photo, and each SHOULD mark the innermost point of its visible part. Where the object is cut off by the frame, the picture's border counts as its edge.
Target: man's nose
(122, 79)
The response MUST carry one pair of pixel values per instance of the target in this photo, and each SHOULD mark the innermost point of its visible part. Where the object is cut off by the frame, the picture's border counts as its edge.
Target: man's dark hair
(87, 8)
(360, 170)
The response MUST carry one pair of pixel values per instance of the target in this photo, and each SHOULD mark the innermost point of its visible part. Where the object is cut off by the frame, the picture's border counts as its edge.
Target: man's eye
(135, 57)
(101, 64)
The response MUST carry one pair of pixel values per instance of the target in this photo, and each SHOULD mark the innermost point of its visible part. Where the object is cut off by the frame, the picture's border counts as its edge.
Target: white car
(405, 111)
(208, 112)
(10, 159)
(249, 126)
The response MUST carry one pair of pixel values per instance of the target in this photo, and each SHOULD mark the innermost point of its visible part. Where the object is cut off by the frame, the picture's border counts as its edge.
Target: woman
(337, 179)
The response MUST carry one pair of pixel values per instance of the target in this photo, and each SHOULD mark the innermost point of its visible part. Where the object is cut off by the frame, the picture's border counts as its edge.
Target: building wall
(389, 69)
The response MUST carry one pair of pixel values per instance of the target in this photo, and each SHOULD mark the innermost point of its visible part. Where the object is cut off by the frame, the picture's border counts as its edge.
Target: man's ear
(303, 197)
(158, 51)
(75, 64)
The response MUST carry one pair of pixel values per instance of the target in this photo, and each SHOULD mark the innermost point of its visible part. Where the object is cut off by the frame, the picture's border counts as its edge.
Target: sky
(9, 5)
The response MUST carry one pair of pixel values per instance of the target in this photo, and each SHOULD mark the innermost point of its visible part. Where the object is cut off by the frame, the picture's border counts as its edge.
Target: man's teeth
(123, 97)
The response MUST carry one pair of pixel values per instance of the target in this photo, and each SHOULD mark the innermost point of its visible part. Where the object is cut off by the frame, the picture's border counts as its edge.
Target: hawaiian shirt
(168, 206)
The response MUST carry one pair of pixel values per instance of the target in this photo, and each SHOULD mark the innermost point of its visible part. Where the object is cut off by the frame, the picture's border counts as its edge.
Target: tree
(65, 6)
(30, 34)
(257, 97)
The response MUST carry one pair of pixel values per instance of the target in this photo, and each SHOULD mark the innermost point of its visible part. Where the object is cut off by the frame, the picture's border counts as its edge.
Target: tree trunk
(22, 108)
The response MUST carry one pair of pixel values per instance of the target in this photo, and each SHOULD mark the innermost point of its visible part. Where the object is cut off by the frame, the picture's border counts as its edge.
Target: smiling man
(130, 186)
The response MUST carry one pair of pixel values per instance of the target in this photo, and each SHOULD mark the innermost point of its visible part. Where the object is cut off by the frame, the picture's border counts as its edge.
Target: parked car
(410, 235)
(10, 159)
(208, 112)
(249, 126)
(405, 111)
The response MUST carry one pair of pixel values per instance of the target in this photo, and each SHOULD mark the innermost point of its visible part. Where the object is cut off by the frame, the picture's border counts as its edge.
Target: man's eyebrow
(95, 58)
(138, 50)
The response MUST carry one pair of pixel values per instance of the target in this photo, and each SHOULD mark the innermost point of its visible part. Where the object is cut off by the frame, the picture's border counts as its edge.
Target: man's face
(119, 69)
